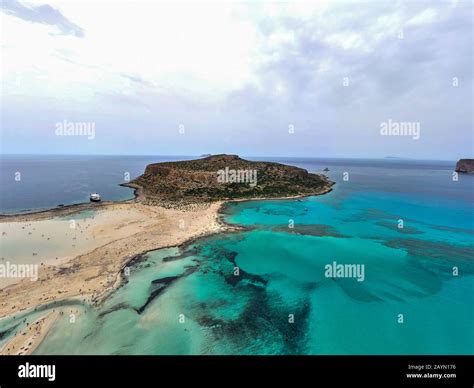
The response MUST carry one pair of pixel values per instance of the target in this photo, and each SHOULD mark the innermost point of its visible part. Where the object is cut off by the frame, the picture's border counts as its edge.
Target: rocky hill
(220, 177)
(465, 165)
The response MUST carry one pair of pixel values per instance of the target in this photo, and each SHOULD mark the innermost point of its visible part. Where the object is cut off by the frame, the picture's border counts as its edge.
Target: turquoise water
(190, 301)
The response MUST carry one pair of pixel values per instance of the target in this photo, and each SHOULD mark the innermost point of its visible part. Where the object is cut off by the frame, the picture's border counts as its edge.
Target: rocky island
(465, 165)
(225, 177)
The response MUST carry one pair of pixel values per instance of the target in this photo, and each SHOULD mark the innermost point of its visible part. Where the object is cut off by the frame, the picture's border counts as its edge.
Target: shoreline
(138, 195)
(151, 228)
(65, 210)
(93, 276)
(28, 338)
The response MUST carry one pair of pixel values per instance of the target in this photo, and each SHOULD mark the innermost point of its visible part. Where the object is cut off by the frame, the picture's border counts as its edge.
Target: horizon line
(243, 156)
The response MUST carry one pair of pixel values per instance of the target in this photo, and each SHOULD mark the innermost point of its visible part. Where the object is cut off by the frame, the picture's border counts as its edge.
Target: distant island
(465, 166)
(225, 177)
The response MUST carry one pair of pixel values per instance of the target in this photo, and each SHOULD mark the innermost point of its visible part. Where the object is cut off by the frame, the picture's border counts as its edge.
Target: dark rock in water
(119, 306)
(405, 229)
(317, 230)
(326, 169)
(232, 279)
(183, 255)
(8, 331)
(160, 286)
(465, 165)
(166, 280)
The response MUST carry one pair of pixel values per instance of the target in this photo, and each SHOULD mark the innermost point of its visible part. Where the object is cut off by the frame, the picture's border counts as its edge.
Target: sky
(304, 79)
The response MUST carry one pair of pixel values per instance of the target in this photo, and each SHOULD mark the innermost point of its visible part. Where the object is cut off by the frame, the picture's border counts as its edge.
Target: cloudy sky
(254, 78)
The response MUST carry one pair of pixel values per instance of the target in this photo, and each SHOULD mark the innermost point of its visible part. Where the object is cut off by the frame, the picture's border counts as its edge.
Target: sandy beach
(27, 339)
(85, 261)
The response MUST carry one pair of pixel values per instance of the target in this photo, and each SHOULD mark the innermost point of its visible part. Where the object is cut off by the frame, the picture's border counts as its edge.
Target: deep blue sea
(417, 295)
(48, 181)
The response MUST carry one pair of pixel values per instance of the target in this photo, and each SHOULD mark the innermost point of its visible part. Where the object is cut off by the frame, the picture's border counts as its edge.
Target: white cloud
(426, 16)
(198, 47)
(260, 65)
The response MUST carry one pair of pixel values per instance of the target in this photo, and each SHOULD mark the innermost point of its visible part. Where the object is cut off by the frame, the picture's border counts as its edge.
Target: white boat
(95, 197)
